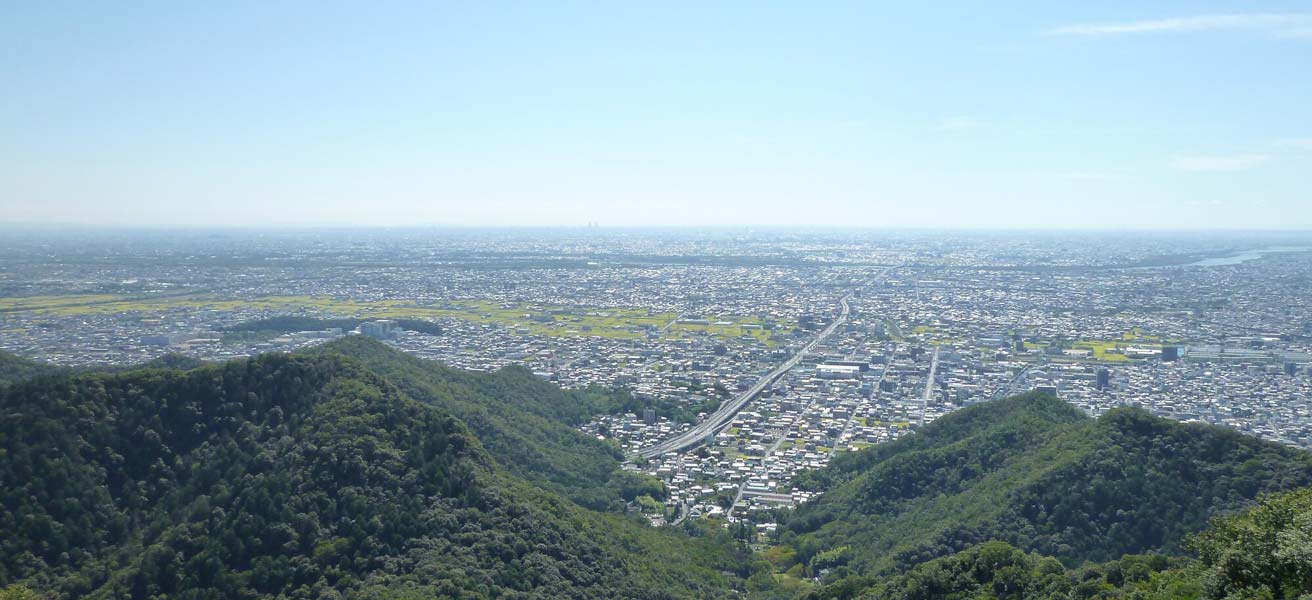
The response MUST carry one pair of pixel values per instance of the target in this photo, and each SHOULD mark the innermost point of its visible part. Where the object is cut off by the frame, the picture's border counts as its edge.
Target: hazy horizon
(1117, 117)
(58, 226)
(40, 229)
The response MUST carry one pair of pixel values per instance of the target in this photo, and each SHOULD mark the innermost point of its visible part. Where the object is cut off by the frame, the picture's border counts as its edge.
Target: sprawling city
(758, 354)
(656, 300)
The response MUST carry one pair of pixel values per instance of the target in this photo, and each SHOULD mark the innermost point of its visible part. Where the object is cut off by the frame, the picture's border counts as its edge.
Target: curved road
(717, 421)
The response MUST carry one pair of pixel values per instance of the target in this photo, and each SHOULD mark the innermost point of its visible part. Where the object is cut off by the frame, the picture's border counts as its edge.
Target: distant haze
(1113, 115)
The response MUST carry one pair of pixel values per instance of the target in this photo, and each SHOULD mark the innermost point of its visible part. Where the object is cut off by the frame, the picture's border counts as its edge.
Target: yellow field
(1102, 350)
(1110, 350)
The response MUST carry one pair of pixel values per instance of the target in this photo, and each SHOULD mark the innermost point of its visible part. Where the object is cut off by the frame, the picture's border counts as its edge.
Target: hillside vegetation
(1262, 553)
(300, 477)
(526, 423)
(354, 470)
(14, 368)
(1035, 473)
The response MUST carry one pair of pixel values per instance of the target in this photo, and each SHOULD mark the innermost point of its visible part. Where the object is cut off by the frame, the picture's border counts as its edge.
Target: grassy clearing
(1112, 350)
(1103, 350)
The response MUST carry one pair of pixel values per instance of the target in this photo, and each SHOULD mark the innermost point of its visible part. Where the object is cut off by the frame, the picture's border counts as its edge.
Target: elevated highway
(704, 431)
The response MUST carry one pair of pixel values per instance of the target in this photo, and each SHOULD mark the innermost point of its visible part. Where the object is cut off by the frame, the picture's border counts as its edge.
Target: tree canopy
(298, 476)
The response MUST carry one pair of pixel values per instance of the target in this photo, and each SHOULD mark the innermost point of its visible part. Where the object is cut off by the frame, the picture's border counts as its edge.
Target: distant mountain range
(356, 470)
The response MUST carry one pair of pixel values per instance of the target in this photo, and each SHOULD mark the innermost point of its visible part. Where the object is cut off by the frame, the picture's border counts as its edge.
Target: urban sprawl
(758, 354)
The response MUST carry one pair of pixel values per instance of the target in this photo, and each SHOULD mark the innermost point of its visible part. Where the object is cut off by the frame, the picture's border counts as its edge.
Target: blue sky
(971, 114)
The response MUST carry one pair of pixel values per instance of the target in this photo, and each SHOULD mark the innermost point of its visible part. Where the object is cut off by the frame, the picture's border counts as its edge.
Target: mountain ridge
(298, 475)
(1027, 471)
(350, 469)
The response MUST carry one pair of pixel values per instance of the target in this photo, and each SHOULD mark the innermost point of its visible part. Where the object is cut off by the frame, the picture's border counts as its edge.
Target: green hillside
(171, 361)
(358, 471)
(1264, 552)
(14, 368)
(526, 423)
(299, 477)
(999, 570)
(1036, 473)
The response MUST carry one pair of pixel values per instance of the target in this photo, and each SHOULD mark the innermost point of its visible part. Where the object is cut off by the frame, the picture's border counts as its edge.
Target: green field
(555, 321)
(1110, 350)
(1102, 350)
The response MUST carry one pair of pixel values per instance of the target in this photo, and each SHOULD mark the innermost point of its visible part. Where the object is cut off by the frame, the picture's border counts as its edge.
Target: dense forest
(15, 368)
(526, 423)
(1035, 473)
(1261, 553)
(300, 476)
(354, 470)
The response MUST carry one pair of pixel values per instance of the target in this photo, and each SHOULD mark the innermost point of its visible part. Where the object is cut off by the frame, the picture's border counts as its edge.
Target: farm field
(615, 323)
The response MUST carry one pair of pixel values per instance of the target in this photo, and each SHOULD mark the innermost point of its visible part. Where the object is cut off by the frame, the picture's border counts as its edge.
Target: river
(1245, 256)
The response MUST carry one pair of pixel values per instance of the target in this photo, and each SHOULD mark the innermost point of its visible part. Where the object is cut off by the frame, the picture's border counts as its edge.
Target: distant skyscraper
(1291, 368)
(649, 416)
(1170, 353)
(1104, 379)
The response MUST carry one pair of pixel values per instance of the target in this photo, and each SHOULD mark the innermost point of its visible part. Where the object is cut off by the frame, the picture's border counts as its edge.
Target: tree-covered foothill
(1034, 472)
(14, 368)
(298, 477)
(172, 360)
(1264, 553)
(526, 423)
(273, 326)
(999, 570)
(354, 470)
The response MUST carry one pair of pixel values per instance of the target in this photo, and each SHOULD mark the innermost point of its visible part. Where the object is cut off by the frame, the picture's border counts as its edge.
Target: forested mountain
(1262, 553)
(171, 360)
(14, 368)
(1036, 473)
(299, 476)
(526, 423)
(355, 470)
